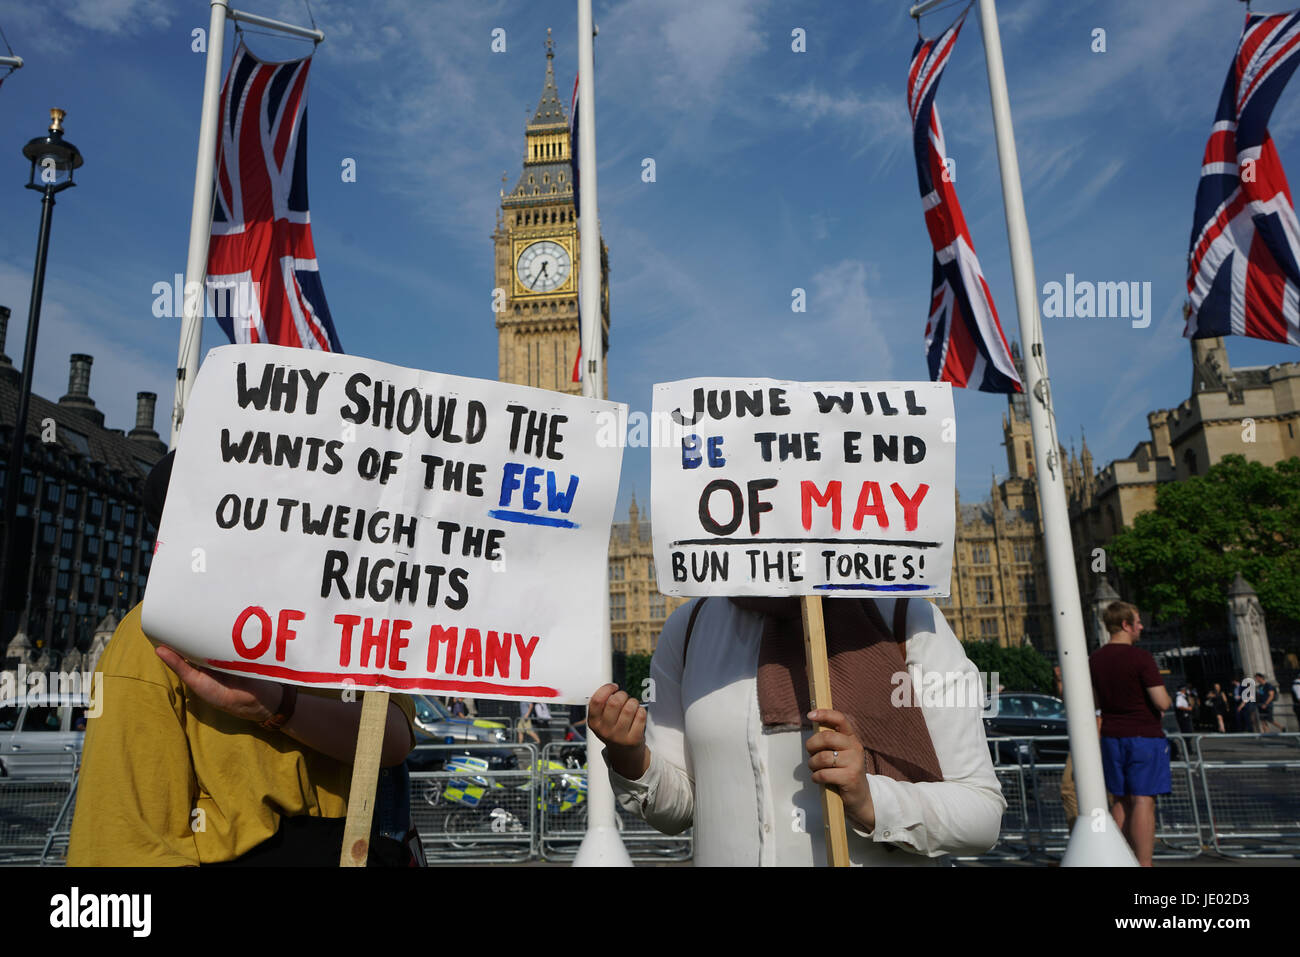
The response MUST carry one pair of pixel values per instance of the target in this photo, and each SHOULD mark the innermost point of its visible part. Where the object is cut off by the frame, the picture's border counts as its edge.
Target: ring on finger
(835, 757)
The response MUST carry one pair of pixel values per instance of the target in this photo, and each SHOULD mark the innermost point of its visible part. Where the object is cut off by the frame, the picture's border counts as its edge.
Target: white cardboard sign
(803, 488)
(336, 521)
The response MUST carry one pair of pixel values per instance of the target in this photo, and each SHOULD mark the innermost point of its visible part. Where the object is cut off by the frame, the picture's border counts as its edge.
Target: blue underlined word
(871, 587)
(530, 518)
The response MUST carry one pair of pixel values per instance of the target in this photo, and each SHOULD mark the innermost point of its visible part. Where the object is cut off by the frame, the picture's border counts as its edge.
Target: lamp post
(53, 160)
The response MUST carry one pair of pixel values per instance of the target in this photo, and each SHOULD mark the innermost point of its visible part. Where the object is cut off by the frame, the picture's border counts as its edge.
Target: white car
(41, 736)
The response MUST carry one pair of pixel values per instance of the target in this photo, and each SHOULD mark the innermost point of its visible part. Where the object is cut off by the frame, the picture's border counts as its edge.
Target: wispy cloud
(116, 17)
(877, 121)
(53, 29)
(1135, 388)
(682, 55)
(840, 311)
(75, 318)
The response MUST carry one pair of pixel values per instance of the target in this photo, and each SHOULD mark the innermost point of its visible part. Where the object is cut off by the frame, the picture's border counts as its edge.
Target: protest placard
(803, 488)
(335, 521)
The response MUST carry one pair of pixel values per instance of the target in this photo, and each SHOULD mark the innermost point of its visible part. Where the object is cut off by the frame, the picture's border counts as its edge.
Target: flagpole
(1096, 840)
(196, 261)
(601, 846)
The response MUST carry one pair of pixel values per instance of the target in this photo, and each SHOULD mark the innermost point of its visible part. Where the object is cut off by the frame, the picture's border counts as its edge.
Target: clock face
(543, 266)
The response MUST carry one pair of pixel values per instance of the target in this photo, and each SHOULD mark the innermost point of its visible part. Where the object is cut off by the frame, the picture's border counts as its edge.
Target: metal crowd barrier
(1237, 795)
(564, 824)
(1251, 784)
(1224, 788)
(532, 806)
(471, 815)
(35, 816)
(1036, 812)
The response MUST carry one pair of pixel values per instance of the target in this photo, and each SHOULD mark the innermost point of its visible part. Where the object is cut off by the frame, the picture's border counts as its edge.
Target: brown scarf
(864, 658)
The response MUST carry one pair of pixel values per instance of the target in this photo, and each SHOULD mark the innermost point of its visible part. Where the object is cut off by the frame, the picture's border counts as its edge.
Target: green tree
(1239, 517)
(635, 673)
(1019, 669)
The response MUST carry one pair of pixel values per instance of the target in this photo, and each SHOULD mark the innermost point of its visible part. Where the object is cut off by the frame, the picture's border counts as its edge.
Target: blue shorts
(1136, 765)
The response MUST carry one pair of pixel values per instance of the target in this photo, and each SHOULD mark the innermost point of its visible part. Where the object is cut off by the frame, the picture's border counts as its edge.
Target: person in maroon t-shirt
(1131, 697)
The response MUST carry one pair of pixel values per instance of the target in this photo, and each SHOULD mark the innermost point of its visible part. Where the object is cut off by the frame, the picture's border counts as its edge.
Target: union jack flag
(577, 209)
(263, 282)
(1242, 274)
(964, 343)
(573, 144)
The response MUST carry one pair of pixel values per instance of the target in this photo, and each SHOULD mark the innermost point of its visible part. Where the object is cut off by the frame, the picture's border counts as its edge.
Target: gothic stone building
(1248, 411)
(637, 610)
(999, 580)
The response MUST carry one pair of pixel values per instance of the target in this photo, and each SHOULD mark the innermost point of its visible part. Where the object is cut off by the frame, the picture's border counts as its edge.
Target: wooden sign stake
(819, 686)
(365, 779)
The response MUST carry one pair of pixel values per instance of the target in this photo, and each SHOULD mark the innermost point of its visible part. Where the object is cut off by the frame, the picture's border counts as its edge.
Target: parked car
(434, 724)
(1025, 715)
(41, 736)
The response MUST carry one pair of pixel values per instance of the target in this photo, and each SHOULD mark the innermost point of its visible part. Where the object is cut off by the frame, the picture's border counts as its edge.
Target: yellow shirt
(167, 779)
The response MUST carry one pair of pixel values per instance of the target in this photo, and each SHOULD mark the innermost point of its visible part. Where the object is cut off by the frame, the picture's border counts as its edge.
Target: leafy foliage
(1239, 517)
(1019, 669)
(635, 672)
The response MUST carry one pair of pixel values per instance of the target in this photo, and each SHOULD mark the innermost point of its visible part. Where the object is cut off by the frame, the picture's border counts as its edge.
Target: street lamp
(53, 161)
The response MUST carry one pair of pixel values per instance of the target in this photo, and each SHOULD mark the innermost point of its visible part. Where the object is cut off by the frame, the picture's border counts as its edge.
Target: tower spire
(550, 109)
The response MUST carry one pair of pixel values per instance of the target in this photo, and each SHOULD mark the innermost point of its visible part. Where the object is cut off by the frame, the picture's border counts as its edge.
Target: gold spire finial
(56, 119)
(550, 44)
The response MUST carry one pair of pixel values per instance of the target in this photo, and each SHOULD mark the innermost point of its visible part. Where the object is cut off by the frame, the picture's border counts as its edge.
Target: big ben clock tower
(536, 254)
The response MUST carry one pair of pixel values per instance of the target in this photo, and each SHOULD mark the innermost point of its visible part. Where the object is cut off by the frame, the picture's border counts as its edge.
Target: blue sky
(774, 170)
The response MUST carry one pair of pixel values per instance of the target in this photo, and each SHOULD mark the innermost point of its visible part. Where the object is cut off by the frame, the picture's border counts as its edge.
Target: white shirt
(540, 710)
(750, 795)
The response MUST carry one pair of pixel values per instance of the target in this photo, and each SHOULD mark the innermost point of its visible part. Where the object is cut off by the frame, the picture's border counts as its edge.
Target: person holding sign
(188, 766)
(722, 746)
(780, 505)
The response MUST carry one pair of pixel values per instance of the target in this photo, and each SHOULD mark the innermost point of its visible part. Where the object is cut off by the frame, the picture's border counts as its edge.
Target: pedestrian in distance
(1247, 707)
(1183, 710)
(1238, 692)
(525, 725)
(1131, 696)
(1266, 698)
(1218, 705)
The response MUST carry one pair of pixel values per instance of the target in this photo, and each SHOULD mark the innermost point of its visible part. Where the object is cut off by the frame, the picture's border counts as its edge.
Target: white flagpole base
(1089, 847)
(602, 847)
